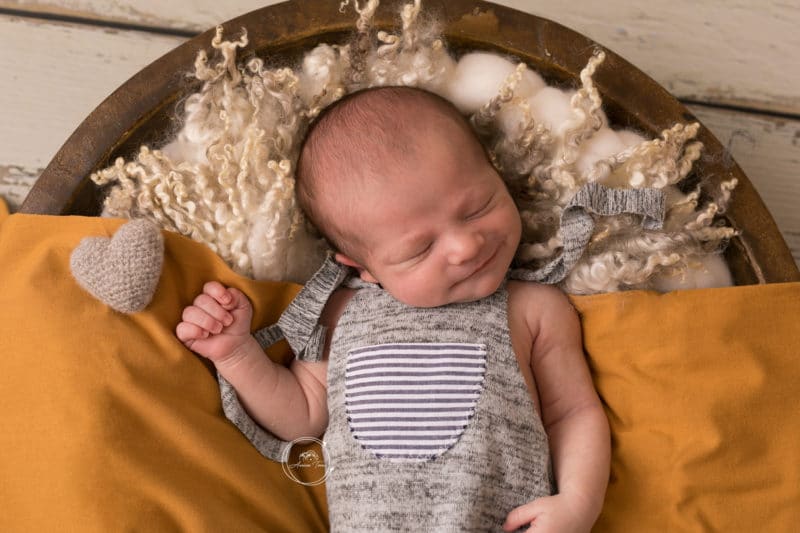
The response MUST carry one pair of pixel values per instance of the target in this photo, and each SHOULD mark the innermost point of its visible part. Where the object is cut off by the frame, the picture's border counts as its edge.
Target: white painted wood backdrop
(733, 62)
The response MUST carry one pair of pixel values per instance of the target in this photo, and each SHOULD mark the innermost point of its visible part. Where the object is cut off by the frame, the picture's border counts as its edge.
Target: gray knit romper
(432, 427)
(431, 424)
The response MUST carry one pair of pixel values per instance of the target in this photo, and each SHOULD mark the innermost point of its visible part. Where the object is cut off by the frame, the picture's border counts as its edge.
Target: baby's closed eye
(422, 250)
(484, 208)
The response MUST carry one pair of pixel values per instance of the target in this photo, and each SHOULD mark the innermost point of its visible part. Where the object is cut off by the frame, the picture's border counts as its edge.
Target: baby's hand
(217, 324)
(550, 514)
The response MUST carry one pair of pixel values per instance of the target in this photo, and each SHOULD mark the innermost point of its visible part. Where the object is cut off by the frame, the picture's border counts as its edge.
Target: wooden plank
(768, 150)
(56, 74)
(741, 53)
(189, 15)
(15, 183)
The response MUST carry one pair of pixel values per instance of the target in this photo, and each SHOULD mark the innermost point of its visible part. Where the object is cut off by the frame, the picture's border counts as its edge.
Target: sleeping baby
(451, 396)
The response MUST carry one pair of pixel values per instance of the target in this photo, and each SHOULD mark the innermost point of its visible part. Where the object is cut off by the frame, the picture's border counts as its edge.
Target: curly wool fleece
(226, 179)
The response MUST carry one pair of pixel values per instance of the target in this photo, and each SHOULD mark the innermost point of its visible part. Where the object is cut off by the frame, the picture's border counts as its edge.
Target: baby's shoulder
(538, 303)
(536, 293)
(335, 306)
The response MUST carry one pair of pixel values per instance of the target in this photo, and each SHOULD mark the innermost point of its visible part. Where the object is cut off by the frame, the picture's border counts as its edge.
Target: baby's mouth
(483, 264)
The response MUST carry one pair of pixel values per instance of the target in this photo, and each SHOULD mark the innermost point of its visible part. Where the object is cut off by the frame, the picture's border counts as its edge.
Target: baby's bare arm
(289, 402)
(573, 417)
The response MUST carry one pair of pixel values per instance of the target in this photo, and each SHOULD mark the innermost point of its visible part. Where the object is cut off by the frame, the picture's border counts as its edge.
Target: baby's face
(442, 229)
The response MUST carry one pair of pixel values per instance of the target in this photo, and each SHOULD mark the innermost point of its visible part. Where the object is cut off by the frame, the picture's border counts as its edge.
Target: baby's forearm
(287, 405)
(580, 445)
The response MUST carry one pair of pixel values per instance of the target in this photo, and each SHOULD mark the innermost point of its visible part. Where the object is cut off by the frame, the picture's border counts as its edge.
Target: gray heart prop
(121, 271)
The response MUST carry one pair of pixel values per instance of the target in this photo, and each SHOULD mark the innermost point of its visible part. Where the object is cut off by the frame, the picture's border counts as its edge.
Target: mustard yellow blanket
(108, 423)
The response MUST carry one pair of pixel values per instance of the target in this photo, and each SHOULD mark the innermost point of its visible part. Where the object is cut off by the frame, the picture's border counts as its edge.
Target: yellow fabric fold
(702, 390)
(108, 423)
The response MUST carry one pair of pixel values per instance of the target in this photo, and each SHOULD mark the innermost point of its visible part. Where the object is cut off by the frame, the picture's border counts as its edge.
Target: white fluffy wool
(227, 179)
(478, 77)
(320, 70)
(604, 143)
(706, 272)
(552, 107)
(630, 138)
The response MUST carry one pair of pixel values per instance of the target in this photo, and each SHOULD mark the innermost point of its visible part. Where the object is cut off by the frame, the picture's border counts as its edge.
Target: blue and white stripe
(411, 402)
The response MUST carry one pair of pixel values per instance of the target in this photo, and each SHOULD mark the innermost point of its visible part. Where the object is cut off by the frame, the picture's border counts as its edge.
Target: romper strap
(265, 442)
(577, 224)
(299, 326)
(300, 321)
(268, 336)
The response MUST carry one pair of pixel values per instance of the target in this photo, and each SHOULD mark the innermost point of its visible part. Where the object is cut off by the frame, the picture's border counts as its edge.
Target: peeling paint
(15, 184)
(18, 175)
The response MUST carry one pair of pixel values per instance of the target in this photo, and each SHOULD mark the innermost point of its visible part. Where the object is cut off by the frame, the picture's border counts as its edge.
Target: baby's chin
(480, 291)
(480, 285)
(475, 286)
(463, 292)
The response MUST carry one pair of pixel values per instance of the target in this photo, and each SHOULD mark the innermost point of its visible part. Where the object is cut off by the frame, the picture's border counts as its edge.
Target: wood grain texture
(15, 183)
(735, 52)
(193, 16)
(768, 150)
(56, 74)
(740, 52)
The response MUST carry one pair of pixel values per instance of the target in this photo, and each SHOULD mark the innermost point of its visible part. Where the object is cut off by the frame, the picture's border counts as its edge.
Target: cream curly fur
(226, 179)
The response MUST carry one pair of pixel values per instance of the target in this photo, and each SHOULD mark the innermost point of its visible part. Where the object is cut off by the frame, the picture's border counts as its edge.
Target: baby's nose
(465, 246)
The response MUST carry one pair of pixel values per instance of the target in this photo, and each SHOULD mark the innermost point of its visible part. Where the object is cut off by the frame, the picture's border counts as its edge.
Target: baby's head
(399, 184)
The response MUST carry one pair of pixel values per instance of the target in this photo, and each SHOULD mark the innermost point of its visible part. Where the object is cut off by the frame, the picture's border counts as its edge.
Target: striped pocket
(412, 402)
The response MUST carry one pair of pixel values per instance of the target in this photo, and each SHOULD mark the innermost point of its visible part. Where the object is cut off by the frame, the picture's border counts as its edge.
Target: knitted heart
(121, 271)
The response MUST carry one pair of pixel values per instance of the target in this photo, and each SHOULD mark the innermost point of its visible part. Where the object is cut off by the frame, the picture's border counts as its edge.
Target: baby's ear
(362, 272)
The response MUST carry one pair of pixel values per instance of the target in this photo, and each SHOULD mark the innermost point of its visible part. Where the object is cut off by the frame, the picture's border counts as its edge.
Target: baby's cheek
(514, 221)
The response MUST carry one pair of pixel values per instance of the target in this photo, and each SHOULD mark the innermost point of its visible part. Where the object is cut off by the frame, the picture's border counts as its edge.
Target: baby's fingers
(213, 309)
(200, 318)
(226, 297)
(187, 333)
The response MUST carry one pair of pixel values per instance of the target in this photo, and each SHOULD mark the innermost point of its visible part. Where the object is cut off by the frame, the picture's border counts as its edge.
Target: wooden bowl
(140, 110)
